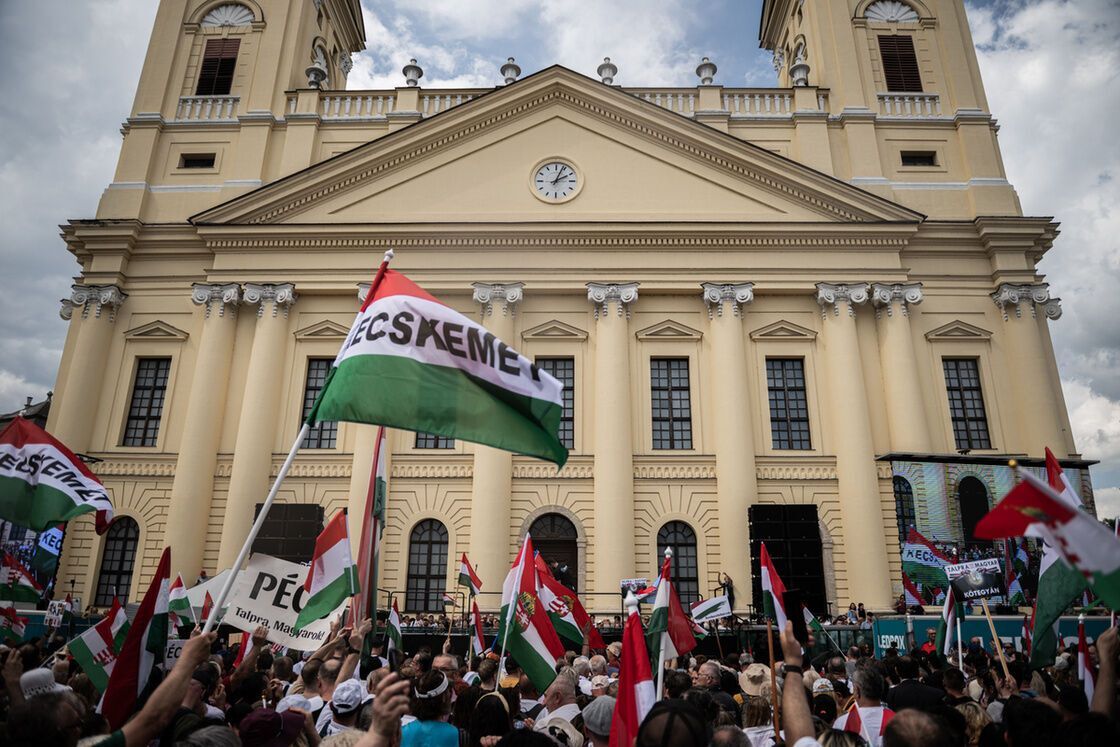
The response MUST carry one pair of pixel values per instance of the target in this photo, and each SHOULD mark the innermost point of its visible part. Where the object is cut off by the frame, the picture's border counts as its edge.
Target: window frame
(432, 442)
(898, 66)
(984, 443)
(567, 429)
(905, 510)
(790, 443)
(680, 563)
(684, 364)
(322, 435)
(121, 523)
(432, 583)
(278, 533)
(209, 80)
(127, 439)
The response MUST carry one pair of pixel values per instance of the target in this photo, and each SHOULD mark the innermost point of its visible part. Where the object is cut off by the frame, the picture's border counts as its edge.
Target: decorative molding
(795, 472)
(956, 331)
(1033, 294)
(130, 468)
(554, 330)
(668, 330)
(324, 330)
(604, 294)
(315, 469)
(230, 14)
(884, 295)
(345, 64)
(281, 295)
(850, 294)
(674, 472)
(541, 471)
(97, 296)
(506, 294)
(783, 331)
(157, 331)
(890, 11)
(432, 470)
(716, 295)
(211, 295)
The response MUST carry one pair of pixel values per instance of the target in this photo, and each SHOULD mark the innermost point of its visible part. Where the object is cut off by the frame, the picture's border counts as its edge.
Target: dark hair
(824, 707)
(525, 738)
(310, 672)
(35, 722)
(672, 722)
(1073, 699)
(701, 699)
(953, 679)
(282, 668)
(490, 718)
(1020, 672)
(251, 688)
(1090, 729)
(433, 708)
(908, 667)
(487, 669)
(463, 706)
(677, 683)
(1030, 723)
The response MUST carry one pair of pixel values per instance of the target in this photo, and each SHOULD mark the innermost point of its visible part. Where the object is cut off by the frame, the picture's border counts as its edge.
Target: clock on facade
(555, 180)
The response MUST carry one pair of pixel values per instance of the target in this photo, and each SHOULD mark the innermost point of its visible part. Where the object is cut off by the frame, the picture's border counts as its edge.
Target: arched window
(427, 567)
(680, 537)
(904, 507)
(973, 499)
(117, 562)
(554, 537)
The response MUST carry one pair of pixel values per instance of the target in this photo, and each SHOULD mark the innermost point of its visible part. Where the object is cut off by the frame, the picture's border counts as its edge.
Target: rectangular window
(919, 158)
(146, 407)
(671, 405)
(966, 403)
(564, 369)
(215, 75)
(432, 441)
(900, 64)
(289, 531)
(321, 435)
(196, 161)
(789, 407)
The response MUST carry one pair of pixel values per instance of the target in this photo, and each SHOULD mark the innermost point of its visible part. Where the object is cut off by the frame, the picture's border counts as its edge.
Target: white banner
(270, 592)
(174, 651)
(715, 608)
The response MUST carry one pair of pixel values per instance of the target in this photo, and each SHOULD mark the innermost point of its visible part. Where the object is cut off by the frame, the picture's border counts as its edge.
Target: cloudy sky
(1051, 68)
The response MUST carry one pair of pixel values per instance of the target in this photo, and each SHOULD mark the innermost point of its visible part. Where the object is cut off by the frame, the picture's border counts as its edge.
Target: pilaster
(906, 415)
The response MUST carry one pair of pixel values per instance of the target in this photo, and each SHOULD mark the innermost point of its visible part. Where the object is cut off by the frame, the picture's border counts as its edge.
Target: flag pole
(661, 649)
(371, 504)
(995, 638)
(513, 603)
(960, 643)
(773, 682)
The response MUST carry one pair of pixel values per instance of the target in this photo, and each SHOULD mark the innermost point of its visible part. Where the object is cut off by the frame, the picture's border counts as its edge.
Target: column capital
(506, 294)
(211, 295)
(280, 295)
(718, 294)
(884, 295)
(97, 296)
(1032, 294)
(602, 295)
(850, 294)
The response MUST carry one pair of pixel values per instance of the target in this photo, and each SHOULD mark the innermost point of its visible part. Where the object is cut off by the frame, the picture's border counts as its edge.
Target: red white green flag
(42, 483)
(773, 590)
(144, 647)
(332, 577)
(526, 630)
(393, 631)
(478, 638)
(564, 608)
(951, 612)
(922, 562)
(16, 582)
(96, 649)
(178, 606)
(412, 362)
(1086, 672)
(913, 593)
(467, 576)
(669, 634)
(12, 626)
(636, 693)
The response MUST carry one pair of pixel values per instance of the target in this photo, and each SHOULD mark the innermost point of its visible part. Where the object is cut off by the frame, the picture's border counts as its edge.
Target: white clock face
(555, 180)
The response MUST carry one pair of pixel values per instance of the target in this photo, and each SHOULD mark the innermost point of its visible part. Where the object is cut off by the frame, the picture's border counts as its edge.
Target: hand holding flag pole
(227, 585)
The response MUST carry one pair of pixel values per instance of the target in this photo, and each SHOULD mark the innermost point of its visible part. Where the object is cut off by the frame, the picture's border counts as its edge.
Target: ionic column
(76, 403)
(736, 481)
(613, 552)
(865, 546)
(906, 413)
(193, 487)
(1028, 360)
(260, 409)
(492, 486)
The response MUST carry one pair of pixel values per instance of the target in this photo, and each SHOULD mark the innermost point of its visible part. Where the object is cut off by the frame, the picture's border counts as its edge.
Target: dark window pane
(427, 567)
(900, 64)
(145, 409)
(680, 537)
(215, 75)
(289, 531)
(564, 369)
(432, 441)
(966, 403)
(671, 406)
(789, 407)
(321, 435)
(904, 507)
(115, 575)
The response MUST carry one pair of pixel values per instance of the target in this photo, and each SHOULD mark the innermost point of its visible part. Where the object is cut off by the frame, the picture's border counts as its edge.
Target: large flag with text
(922, 562)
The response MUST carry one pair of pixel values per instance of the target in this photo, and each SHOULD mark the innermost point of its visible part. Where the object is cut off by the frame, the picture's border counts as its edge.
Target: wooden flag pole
(995, 639)
(773, 683)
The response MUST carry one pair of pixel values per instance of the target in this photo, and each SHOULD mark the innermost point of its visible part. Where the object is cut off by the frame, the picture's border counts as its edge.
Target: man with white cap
(341, 713)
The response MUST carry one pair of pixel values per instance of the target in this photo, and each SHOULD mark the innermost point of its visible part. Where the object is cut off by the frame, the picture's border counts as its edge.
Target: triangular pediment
(554, 330)
(669, 330)
(324, 330)
(635, 161)
(958, 330)
(158, 331)
(783, 330)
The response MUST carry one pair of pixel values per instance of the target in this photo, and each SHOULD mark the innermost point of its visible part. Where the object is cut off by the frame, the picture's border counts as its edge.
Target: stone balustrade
(911, 105)
(679, 100)
(207, 109)
(442, 99)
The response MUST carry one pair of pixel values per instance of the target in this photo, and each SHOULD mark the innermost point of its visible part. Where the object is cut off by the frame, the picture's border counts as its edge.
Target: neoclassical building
(807, 314)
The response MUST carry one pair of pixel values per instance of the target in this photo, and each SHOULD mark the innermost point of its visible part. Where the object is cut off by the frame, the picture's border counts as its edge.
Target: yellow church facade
(768, 306)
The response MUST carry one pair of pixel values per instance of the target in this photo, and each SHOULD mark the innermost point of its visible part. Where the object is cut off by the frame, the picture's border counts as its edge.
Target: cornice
(142, 466)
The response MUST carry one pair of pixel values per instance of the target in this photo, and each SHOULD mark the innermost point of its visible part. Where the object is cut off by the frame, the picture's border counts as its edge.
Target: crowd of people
(339, 696)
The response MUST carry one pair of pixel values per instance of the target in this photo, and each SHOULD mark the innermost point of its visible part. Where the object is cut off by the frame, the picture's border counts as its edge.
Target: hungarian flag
(393, 631)
(853, 724)
(526, 630)
(1086, 672)
(16, 582)
(143, 648)
(773, 590)
(412, 362)
(1059, 584)
(12, 626)
(42, 483)
(1015, 595)
(669, 633)
(1085, 543)
(332, 577)
(913, 593)
(814, 625)
(636, 693)
(698, 631)
(178, 606)
(1026, 634)
(947, 628)
(448, 599)
(922, 562)
(568, 616)
(707, 610)
(207, 606)
(96, 649)
(1021, 562)
(478, 639)
(243, 648)
(373, 528)
(467, 576)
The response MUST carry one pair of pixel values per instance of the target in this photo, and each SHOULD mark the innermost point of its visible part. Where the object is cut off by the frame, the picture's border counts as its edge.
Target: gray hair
(582, 665)
(730, 736)
(211, 736)
(871, 684)
(598, 664)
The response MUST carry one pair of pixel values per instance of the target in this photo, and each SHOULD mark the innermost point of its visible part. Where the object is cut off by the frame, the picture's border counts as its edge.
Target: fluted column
(1028, 360)
(865, 547)
(76, 403)
(613, 549)
(906, 412)
(260, 408)
(193, 486)
(492, 487)
(736, 480)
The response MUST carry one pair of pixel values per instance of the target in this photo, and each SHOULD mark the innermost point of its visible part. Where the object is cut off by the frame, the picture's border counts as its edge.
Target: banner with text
(976, 579)
(270, 592)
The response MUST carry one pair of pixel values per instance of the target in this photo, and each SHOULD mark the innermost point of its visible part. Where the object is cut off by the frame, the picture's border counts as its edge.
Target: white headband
(435, 693)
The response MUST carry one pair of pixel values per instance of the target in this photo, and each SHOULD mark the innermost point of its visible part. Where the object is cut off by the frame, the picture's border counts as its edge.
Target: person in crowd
(430, 705)
(560, 702)
(490, 718)
(853, 614)
(709, 677)
(909, 692)
(757, 720)
(597, 717)
(868, 715)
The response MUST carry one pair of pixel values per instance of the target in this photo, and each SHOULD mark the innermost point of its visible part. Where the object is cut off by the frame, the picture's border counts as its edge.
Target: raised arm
(161, 706)
(796, 718)
(1104, 697)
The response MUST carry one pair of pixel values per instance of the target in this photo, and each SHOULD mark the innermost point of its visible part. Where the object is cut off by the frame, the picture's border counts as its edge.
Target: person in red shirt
(930, 646)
